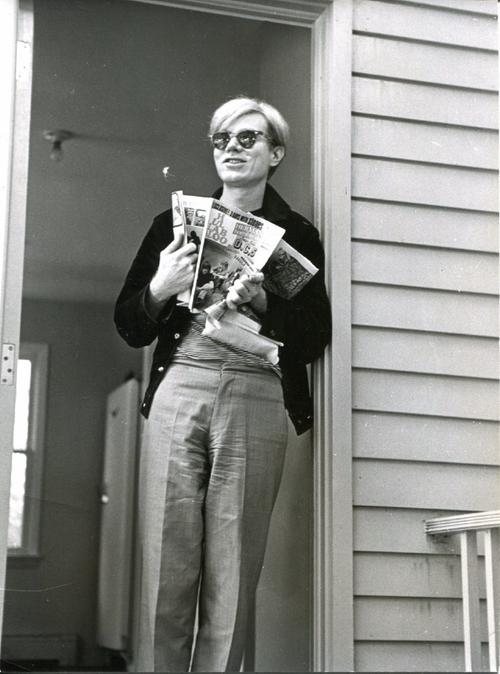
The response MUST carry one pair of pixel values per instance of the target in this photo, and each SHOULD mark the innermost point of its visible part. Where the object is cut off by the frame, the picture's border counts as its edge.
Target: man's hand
(175, 271)
(248, 290)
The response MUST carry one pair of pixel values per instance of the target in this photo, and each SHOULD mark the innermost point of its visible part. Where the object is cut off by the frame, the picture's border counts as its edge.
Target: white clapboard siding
(425, 394)
(399, 484)
(425, 184)
(425, 353)
(419, 309)
(425, 225)
(471, 6)
(399, 530)
(411, 657)
(420, 438)
(399, 575)
(425, 268)
(421, 142)
(384, 619)
(418, 62)
(425, 317)
(424, 23)
(423, 102)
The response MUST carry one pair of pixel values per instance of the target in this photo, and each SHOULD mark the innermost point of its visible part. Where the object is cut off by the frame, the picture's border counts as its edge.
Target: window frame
(38, 354)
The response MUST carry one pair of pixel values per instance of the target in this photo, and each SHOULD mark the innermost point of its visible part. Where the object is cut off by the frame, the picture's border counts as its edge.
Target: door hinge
(8, 367)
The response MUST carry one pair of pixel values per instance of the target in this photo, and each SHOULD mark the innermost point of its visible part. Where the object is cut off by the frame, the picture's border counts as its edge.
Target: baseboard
(63, 648)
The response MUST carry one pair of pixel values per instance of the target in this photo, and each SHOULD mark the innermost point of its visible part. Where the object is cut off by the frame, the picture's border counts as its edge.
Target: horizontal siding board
(417, 62)
(454, 146)
(400, 530)
(411, 620)
(426, 103)
(412, 438)
(423, 225)
(421, 267)
(426, 184)
(426, 353)
(394, 484)
(426, 576)
(423, 23)
(488, 7)
(418, 309)
(425, 394)
(411, 657)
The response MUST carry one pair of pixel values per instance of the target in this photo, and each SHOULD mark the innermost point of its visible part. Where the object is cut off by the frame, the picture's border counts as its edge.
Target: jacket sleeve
(304, 322)
(132, 319)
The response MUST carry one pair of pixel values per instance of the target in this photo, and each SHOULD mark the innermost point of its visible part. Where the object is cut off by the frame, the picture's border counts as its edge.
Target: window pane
(17, 488)
(21, 419)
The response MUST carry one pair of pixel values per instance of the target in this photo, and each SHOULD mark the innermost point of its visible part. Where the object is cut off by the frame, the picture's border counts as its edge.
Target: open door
(331, 25)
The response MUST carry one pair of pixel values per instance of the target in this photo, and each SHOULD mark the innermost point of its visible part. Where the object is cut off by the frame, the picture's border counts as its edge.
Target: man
(216, 433)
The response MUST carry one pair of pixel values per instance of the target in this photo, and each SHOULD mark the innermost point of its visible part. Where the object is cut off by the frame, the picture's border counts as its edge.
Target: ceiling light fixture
(57, 137)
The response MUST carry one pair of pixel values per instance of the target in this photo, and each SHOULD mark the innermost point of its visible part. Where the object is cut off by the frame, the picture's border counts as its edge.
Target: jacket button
(177, 336)
(161, 368)
(273, 333)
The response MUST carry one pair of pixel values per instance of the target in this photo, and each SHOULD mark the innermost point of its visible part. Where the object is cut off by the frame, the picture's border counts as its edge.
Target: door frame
(330, 22)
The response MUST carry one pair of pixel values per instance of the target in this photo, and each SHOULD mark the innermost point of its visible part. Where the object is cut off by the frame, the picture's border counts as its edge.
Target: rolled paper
(216, 311)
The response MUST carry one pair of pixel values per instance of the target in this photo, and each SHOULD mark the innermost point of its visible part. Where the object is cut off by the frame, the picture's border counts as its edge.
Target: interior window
(27, 457)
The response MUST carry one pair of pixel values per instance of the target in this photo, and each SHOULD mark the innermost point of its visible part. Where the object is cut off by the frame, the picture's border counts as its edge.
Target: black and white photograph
(249, 317)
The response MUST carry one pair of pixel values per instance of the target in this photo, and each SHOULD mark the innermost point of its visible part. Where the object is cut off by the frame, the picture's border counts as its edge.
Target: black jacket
(303, 323)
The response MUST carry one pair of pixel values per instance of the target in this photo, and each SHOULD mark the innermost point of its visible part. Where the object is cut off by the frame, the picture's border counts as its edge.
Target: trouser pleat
(226, 439)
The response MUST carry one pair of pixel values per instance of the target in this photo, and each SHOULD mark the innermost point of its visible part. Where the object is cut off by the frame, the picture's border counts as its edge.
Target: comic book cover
(178, 210)
(194, 214)
(287, 271)
(231, 243)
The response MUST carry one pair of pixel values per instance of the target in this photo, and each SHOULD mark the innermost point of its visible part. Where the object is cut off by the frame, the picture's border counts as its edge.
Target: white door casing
(331, 25)
(16, 34)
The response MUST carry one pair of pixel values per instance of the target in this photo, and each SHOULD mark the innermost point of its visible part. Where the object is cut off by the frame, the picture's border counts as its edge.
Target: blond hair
(278, 128)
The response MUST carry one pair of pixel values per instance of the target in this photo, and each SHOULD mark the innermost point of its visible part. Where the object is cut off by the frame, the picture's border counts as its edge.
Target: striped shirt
(196, 346)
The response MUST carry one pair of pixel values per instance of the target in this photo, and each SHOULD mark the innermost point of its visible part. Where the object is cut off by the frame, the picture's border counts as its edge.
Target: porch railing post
(492, 573)
(470, 595)
(467, 527)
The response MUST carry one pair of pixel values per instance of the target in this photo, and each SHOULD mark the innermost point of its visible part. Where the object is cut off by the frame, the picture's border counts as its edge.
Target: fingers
(239, 293)
(256, 277)
(176, 243)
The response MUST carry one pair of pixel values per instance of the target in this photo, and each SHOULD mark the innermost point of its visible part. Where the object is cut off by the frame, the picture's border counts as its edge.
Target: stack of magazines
(233, 243)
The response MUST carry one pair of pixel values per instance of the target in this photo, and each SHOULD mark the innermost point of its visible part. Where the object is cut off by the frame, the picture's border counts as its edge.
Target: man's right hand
(175, 271)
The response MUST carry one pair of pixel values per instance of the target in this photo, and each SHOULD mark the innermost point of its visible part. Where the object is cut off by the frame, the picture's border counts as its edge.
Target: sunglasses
(246, 138)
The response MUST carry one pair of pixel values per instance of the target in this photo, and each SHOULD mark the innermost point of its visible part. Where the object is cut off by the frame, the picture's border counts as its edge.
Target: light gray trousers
(211, 464)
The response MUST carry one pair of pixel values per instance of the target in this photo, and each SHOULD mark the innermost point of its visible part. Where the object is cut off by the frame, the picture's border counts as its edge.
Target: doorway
(139, 98)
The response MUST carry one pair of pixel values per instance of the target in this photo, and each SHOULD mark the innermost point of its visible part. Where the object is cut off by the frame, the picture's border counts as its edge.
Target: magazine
(191, 213)
(230, 243)
(287, 271)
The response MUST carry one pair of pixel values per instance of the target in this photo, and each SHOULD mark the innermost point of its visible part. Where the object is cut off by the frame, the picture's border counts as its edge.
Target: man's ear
(277, 155)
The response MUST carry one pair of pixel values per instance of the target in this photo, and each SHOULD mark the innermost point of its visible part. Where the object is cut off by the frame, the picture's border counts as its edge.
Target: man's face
(240, 167)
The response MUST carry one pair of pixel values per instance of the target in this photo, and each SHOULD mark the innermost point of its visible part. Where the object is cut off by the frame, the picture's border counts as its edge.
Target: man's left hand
(248, 290)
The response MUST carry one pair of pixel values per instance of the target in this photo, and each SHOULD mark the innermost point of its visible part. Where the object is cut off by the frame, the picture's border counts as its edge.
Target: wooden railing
(468, 528)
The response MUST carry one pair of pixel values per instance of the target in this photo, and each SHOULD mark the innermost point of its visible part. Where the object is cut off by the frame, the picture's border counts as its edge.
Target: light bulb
(56, 154)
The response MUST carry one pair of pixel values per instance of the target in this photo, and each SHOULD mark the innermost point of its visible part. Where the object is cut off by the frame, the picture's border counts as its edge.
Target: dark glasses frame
(246, 138)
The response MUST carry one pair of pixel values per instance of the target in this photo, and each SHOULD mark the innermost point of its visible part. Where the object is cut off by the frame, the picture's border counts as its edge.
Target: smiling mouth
(233, 160)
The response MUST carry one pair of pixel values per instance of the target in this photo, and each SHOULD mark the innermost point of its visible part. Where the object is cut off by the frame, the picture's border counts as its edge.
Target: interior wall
(129, 77)
(56, 594)
(283, 613)
(137, 84)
